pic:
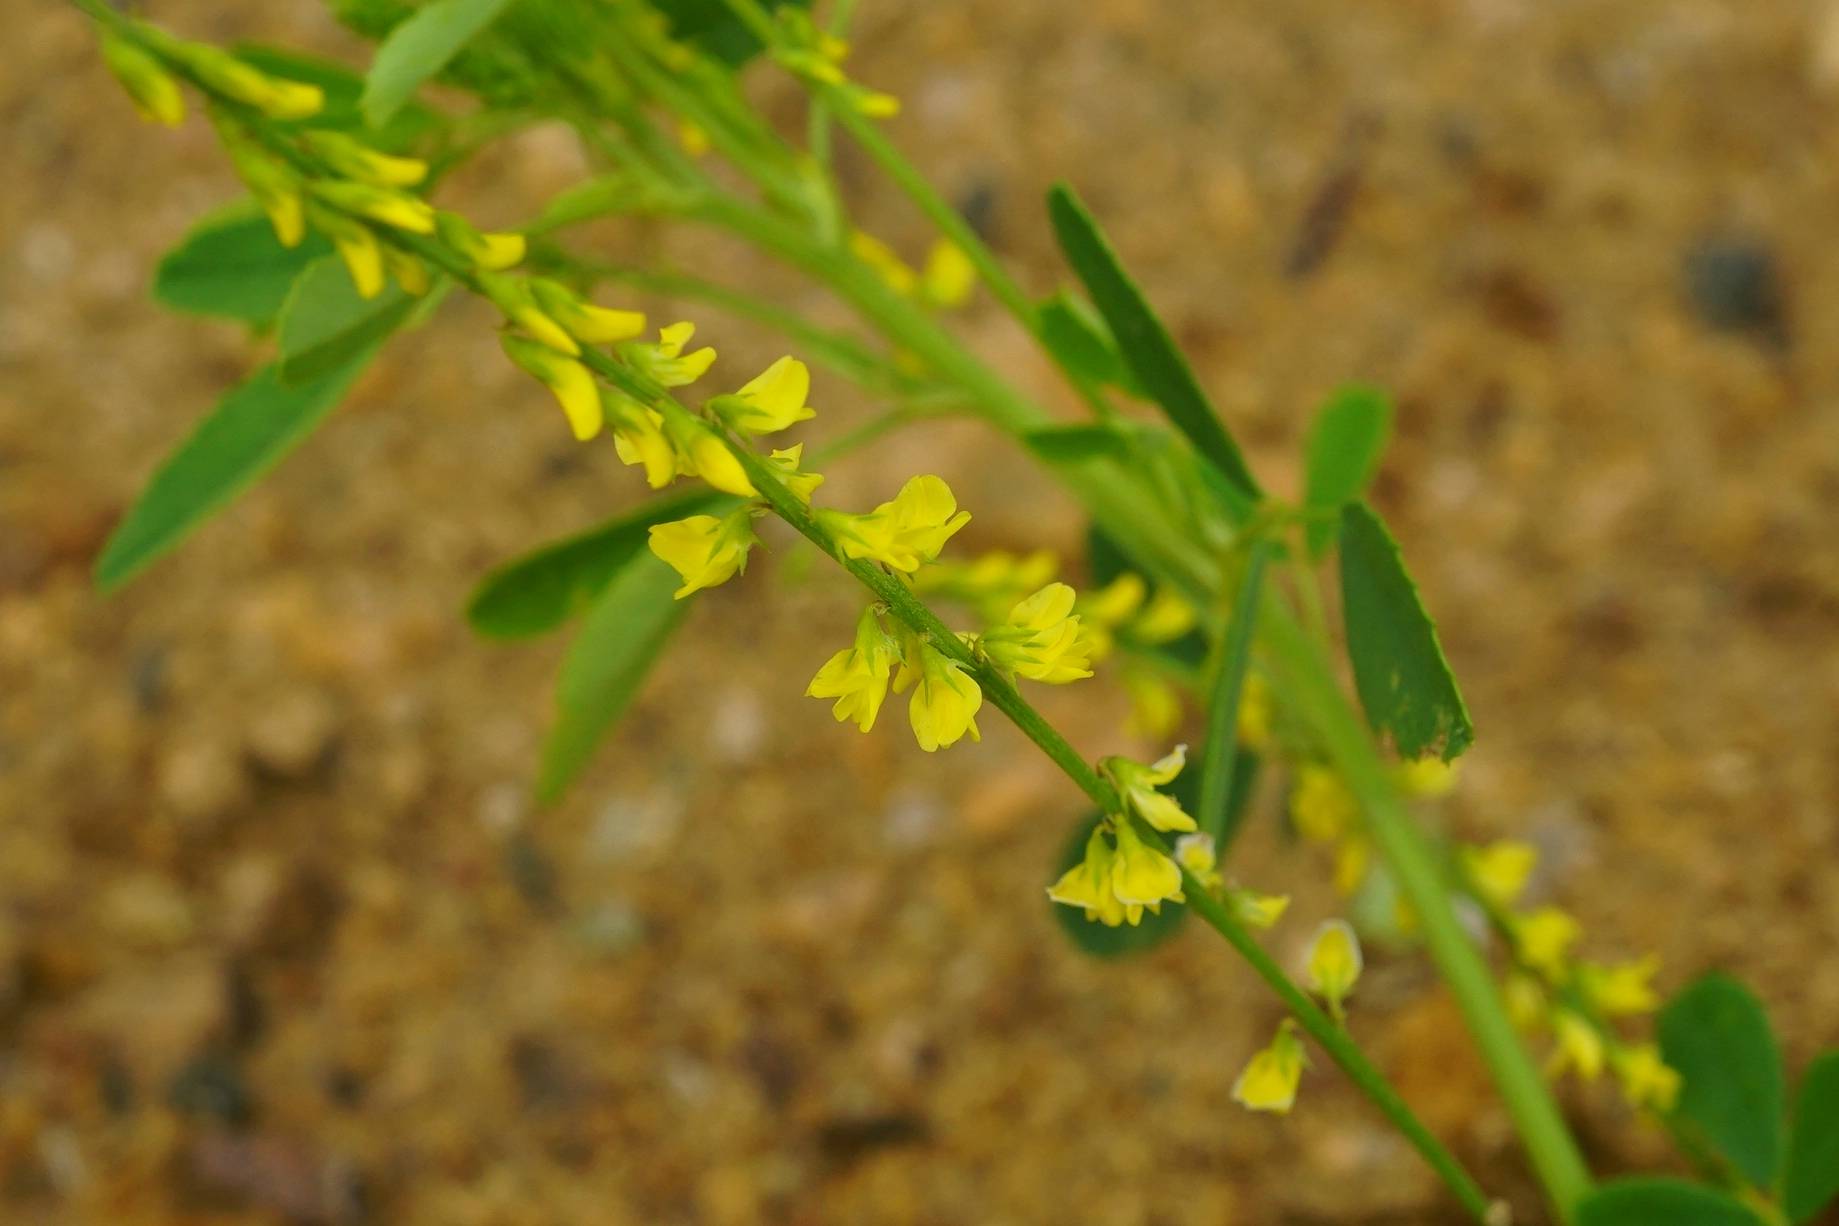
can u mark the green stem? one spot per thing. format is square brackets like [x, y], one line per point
[1310, 685]
[1219, 759]
[1334, 1040]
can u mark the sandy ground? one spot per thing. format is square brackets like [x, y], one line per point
[282, 938]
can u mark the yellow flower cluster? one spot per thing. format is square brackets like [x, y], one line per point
[1121, 875]
[1575, 1000]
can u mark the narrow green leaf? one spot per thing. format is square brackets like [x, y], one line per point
[1811, 1178]
[1078, 340]
[1345, 444]
[1078, 444]
[1716, 1035]
[1661, 1202]
[1147, 348]
[421, 47]
[231, 266]
[1092, 937]
[1405, 683]
[324, 321]
[242, 438]
[1220, 760]
[622, 635]
[541, 590]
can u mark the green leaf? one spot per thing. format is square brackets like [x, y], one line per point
[541, 590]
[421, 47]
[1078, 340]
[1811, 1178]
[1094, 938]
[1345, 444]
[713, 28]
[1405, 683]
[231, 266]
[242, 438]
[324, 322]
[1660, 1202]
[1717, 1036]
[1078, 444]
[1147, 348]
[622, 635]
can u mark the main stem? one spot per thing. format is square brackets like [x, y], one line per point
[1312, 687]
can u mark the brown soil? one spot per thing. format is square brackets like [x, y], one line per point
[282, 938]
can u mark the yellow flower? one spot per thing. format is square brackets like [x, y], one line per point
[410, 273]
[702, 451]
[1526, 1003]
[944, 705]
[1579, 1046]
[357, 246]
[903, 533]
[1623, 990]
[356, 160]
[991, 582]
[513, 296]
[1426, 778]
[277, 190]
[802, 484]
[693, 140]
[1255, 713]
[150, 87]
[225, 74]
[1167, 618]
[383, 205]
[1141, 875]
[705, 550]
[1353, 855]
[587, 323]
[857, 677]
[666, 362]
[1321, 807]
[1088, 885]
[949, 276]
[1137, 784]
[1041, 639]
[1115, 603]
[1256, 910]
[1334, 964]
[1155, 705]
[879, 256]
[484, 251]
[1545, 938]
[1270, 1080]
[1646, 1080]
[769, 402]
[639, 438]
[1195, 853]
[1500, 870]
[570, 381]
[871, 102]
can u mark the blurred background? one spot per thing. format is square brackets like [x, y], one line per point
[283, 938]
